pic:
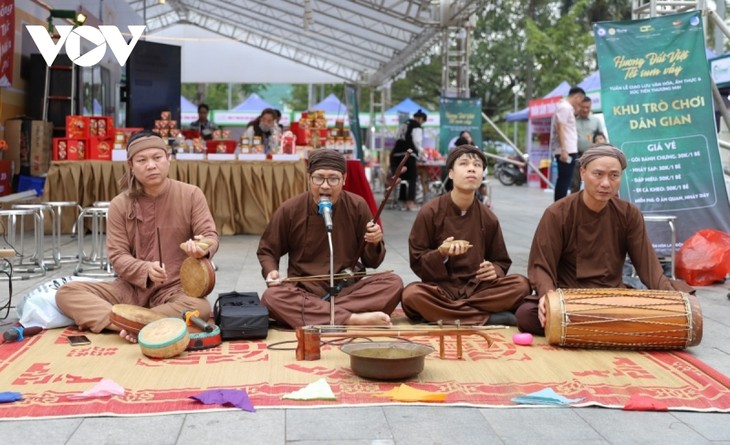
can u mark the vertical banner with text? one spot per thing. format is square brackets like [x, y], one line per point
[353, 112]
[7, 39]
[458, 115]
[657, 103]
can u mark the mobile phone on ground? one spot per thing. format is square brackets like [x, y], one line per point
[78, 340]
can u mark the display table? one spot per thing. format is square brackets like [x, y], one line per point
[430, 171]
[242, 195]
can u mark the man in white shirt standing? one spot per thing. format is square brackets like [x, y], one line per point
[564, 139]
[587, 126]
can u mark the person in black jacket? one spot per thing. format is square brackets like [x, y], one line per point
[410, 136]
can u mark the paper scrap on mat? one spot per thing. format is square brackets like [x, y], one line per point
[106, 387]
[545, 396]
[10, 396]
[231, 397]
[319, 390]
[405, 393]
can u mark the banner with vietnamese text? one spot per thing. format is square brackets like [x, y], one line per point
[7, 39]
[658, 108]
[458, 115]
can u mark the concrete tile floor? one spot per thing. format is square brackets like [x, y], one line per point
[519, 209]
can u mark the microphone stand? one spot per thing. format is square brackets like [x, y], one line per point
[333, 290]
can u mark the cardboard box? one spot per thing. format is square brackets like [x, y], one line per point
[29, 145]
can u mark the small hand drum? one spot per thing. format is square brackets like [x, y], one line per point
[132, 318]
[197, 275]
[164, 338]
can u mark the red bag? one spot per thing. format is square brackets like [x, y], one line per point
[704, 258]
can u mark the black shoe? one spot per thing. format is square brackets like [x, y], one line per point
[505, 318]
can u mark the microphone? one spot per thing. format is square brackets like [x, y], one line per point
[325, 209]
[18, 333]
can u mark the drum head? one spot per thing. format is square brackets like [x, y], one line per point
[197, 277]
[164, 338]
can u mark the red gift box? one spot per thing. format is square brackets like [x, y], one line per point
[69, 149]
[101, 126]
[213, 146]
[77, 127]
[100, 148]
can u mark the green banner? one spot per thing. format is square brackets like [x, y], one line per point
[458, 115]
[657, 103]
[353, 114]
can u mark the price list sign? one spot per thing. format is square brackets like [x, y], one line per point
[656, 175]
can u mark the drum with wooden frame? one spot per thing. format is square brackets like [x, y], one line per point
[132, 318]
[164, 338]
[197, 275]
[622, 319]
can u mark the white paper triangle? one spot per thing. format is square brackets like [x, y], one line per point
[319, 390]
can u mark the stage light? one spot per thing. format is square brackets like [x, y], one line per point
[78, 17]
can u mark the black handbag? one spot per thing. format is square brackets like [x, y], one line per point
[240, 316]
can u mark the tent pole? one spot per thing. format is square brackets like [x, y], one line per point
[522, 155]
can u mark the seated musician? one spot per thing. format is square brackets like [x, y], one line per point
[582, 240]
[466, 280]
[298, 230]
[149, 201]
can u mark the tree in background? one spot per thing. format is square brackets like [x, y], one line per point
[216, 94]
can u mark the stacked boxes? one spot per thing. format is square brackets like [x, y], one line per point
[87, 137]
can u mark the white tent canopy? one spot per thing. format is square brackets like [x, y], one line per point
[232, 62]
[357, 41]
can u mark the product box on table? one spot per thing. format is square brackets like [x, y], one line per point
[70, 149]
[122, 135]
[220, 146]
[77, 127]
[100, 148]
[101, 126]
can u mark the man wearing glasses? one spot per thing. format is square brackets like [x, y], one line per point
[298, 229]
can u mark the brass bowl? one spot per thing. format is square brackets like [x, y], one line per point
[387, 360]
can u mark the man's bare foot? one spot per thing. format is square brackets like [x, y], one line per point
[370, 318]
[127, 336]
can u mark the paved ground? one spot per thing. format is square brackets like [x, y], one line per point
[519, 209]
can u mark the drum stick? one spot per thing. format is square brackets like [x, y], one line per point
[159, 247]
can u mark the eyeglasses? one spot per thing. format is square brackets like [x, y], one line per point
[333, 181]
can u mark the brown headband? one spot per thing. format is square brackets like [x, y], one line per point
[603, 150]
[324, 158]
[143, 143]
